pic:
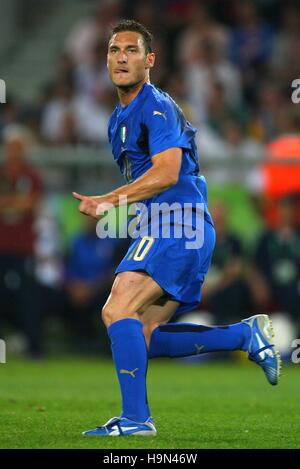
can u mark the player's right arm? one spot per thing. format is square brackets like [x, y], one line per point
[164, 138]
[162, 175]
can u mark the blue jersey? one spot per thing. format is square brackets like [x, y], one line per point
[151, 123]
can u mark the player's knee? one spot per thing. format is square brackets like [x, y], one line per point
[107, 315]
[110, 314]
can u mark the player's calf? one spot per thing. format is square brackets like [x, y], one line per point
[148, 330]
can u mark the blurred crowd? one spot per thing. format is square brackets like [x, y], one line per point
[230, 66]
[41, 279]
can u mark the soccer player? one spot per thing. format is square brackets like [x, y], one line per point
[154, 146]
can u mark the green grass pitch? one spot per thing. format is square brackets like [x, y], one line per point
[203, 405]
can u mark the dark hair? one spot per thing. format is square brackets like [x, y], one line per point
[132, 25]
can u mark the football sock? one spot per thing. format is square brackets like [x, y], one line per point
[183, 339]
[129, 353]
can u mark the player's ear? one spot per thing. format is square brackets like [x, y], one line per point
[150, 60]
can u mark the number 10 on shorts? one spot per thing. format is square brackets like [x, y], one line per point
[142, 249]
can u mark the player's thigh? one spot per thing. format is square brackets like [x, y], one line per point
[130, 293]
[159, 312]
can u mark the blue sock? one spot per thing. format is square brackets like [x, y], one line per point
[130, 357]
[183, 339]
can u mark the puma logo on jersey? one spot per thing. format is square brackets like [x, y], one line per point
[199, 348]
[128, 372]
[158, 113]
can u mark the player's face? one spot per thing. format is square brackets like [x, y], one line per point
[127, 61]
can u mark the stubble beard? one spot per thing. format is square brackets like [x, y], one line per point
[128, 87]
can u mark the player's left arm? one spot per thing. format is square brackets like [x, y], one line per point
[162, 175]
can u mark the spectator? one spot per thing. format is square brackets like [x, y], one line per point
[177, 90]
[270, 102]
[69, 118]
[277, 262]
[57, 120]
[221, 109]
[238, 145]
[201, 28]
[209, 67]
[285, 57]
[9, 115]
[20, 193]
[87, 33]
[251, 44]
[252, 38]
[91, 116]
[92, 78]
[65, 68]
[89, 271]
[226, 293]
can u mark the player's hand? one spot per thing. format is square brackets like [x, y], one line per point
[93, 206]
[88, 206]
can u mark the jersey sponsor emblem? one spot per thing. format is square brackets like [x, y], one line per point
[158, 113]
[123, 133]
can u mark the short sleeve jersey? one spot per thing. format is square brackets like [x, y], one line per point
[151, 123]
